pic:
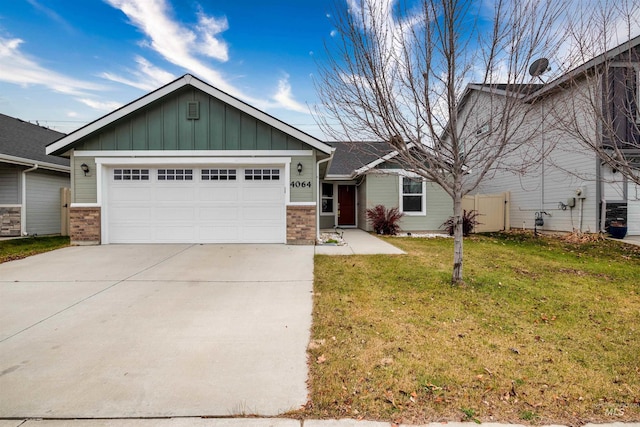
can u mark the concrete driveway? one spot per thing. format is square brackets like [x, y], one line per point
[155, 330]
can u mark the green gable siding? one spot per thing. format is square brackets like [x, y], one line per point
[163, 125]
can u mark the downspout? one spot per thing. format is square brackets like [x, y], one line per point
[23, 210]
[319, 195]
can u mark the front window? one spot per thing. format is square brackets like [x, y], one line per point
[327, 198]
[412, 194]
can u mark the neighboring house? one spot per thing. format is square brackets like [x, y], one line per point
[189, 163]
[571, 188]
[30, 180]
[362, 175]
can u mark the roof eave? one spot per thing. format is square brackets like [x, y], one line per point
[6, 158]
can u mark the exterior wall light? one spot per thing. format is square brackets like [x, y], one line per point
[84, 168]
[299, 168]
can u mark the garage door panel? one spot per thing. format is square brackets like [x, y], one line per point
[219, 213]
[262, 212]
[127, 233]
[131, 194]
[174, 213]
[220, 194]
[174, 234]
[181, 193]
[131, 213]
[265, 193]
[240, 210]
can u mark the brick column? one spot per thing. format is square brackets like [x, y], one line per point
[301, 225]
[10, 221]
[84, 225]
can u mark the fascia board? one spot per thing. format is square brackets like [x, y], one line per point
[27, 162]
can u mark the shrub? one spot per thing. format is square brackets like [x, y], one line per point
[383, 220]
[469, 221]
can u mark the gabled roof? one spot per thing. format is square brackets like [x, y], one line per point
[356, 158]
[576, 72]
[24, 143]
[64, 144]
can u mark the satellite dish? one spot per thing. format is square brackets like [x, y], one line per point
[538, 67]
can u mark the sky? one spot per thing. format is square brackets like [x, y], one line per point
[65, 63]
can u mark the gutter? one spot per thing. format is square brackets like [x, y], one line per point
[23, 210]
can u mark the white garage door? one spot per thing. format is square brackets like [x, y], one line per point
[196, 205]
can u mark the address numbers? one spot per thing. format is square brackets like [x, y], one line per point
[300, 184]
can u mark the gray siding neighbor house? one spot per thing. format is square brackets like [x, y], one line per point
[30, 180]
[188, 163]
[570, 188]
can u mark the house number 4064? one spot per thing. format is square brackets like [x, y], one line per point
[300, 184]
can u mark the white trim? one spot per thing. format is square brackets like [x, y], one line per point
[193, 161]
[41, 165]
[423, 207]
[334, 198]
[192, 153]
[301, 204]
[183, 81]
[86, 205]
[380, 160]
[10, 206]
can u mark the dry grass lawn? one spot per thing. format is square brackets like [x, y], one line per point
[545, 331]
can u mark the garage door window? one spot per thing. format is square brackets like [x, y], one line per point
[131, 174]
[262, 174]
[218, 174]
[175, 174]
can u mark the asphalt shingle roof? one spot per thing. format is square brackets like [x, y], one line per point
[350, 156]
[28, 141]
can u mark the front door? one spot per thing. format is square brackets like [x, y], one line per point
[347, 205]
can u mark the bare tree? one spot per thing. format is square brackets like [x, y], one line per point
[603, 110]
[402, 72]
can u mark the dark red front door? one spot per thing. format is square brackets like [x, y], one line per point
[346, 205]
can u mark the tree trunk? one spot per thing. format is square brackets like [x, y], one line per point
[456, 278]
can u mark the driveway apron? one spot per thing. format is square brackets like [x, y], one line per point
[155, 331]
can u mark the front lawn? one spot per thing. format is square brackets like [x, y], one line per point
[22, 248]
[544, 331]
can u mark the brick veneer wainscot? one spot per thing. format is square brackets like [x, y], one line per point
[301, 225]
[10, 221]
[84, 225]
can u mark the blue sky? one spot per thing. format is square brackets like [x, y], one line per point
[65, 63]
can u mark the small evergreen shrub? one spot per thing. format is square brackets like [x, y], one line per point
[469, 222]
[383, 220]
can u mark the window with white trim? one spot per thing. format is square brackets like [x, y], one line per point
[218, 174]
[327, 198]
[131, 174]
[412, 196]
[262, 174]
[175, 174]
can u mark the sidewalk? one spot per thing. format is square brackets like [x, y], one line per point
[251, 422]
[359, 242]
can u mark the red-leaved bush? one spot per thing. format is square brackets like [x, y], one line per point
[383, 220]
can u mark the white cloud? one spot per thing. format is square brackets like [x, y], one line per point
[100, 105]
[176, 43]
[148, 77]
[333, 33]
[18, 68]
[285, 99]
[72, 114]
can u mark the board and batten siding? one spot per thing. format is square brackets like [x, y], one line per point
[163, 125]
[384, 189]
[84, 187]
[10, 192]
[43, 202]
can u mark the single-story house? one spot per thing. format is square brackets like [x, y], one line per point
[189, 163]
[30, 180]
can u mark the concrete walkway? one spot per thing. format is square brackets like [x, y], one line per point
[359, 242]
[252, 422]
